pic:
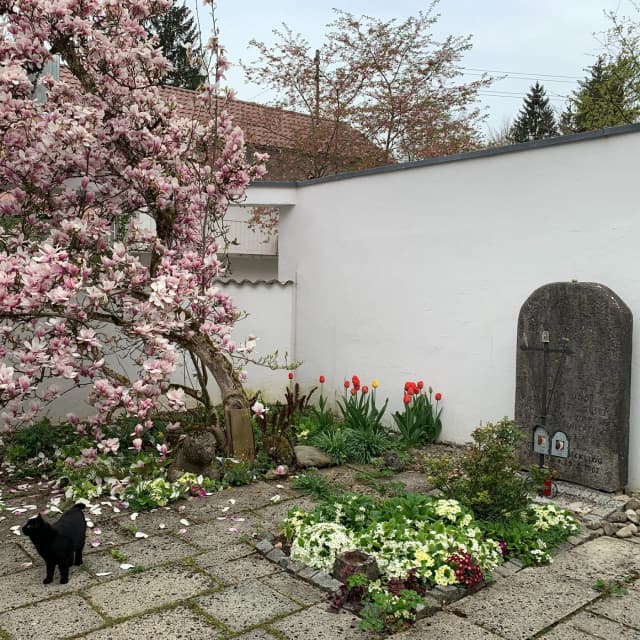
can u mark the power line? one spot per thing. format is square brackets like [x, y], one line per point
[513, 96]
[522, 73]
[521, 77]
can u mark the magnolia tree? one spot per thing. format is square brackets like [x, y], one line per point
[102, 148]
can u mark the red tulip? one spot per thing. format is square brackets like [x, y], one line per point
[406, 399]
[322, 379]
[290, 375]
[438, 396]
[354, 391]
[365, 389]
[407, 385]
[420, 384]
[356, 381]
[346, 384]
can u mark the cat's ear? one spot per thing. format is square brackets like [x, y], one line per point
[35, 522]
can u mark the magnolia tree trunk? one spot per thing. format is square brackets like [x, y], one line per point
[237, 437]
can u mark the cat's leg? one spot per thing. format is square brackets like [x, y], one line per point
[78, 556]
[51, 567]
[64, 573]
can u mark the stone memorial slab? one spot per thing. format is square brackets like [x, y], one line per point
[573, 377]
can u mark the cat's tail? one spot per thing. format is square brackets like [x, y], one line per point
[79, 505]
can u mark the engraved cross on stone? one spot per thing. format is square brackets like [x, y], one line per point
[546, 350]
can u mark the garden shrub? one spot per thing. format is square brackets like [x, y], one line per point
[488, 480]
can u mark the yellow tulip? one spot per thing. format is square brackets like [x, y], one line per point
[375, 383]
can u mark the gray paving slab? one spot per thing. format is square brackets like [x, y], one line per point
[158, 522]
[624, 609]
[12, 557]
[603, 558]
[147, 552]
[255, 634]
[111, 534]
[221, 533]
[317, 623]
[57, 618]
[237, 499]
[273, 515]
[246, 605]
[518, 607]
[242, 569]
[140, 592]
[294, 588]
[587, 626]
[216, 557]
[175, 624]
[445, 626]
[25, 587]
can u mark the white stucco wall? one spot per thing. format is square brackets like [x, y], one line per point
[420, 273]
[270, 309]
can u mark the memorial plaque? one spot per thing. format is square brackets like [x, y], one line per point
[560, 445]
[573, 375]
[540, 441]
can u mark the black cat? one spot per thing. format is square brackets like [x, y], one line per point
[60, 543]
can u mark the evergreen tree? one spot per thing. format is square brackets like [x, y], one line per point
[603, 98]
[178, 38]
[536, 119]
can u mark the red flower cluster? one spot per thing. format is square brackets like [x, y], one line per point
[415, 388]
[412, 389]
[355, 381]
[467, 571]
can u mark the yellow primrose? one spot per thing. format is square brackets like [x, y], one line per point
[423, 557]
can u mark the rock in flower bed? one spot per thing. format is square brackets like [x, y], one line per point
[419, 542]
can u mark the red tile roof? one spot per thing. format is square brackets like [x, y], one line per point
[275, 130]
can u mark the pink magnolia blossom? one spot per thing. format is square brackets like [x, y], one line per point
[110, 445]
[163, 450]
[175, 397]
[104, 145]
[259, 410]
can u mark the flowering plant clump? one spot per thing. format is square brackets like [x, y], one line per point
[419, 422]
[418, 542]
[140, 493]
[320, 543]
[322, 417]
[388, 609]
[467, 571]
[358, 406]
[534, 533]
[365, 436]
[410, 536]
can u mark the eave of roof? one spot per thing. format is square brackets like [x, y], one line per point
[458, 157]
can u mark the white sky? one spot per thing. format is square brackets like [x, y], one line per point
[530, 39]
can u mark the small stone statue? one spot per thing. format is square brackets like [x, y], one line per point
[195, 452]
